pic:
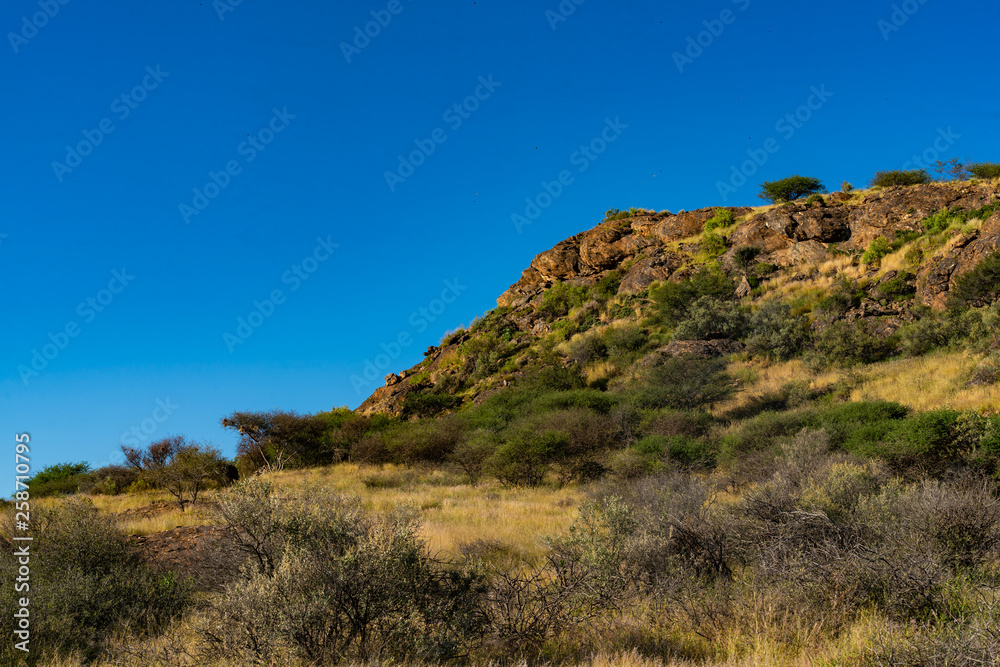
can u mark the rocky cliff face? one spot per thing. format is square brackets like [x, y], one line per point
[652, 247]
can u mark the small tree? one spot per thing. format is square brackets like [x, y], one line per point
[183, 468]
[885, 179]
[744, 257]
[985, 170]
[789, 189]
[274, 439]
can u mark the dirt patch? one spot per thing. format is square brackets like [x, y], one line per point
[205, 554]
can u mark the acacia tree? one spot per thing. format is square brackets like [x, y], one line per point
[273, 439]
[790, 189]
[181, 467]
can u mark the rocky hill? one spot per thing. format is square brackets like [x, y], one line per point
[638, 249]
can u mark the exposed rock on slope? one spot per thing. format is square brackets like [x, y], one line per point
[652, 247]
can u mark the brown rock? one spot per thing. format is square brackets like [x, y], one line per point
[648, 270]
[391, 379]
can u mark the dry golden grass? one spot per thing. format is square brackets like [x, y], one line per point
[759, 377]
[924, 383]
[452, 512]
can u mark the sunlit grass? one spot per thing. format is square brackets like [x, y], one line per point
[452, 511]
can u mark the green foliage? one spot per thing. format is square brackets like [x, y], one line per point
[673, 299]
[113, 480]
[87, 582]
[858, 342]
[745, 257]
[815, 198]
[709, 318]
[790, 189]
[683, 383]
[59, 479]
[523, 459]
[885, 179]
[877, 249]
[562, 297]
[763, 432]
[331, 582]
[944, 219]
[984, 170]
[712, 245]
[846, 187]
[773, 331]
[843, 295]
[978, 287]
[723, 218]
[615, 214]
[429, 403]
[607, 286]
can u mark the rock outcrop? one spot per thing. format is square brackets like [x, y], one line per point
[656, 247]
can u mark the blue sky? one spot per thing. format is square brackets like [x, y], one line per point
[209, 206]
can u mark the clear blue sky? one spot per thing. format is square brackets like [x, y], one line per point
[212, 153]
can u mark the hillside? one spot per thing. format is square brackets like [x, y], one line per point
[604, 275]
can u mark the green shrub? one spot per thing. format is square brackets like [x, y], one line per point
[589, 399]
[674, 298]
[814, 199]
[723, 218]
[712, 244]
[420, 403]
[978, 287]
[425, 440]
[898, 288]
[984, 170]
[681, 383]
[113, 480]
[709, 318]
[607, 286]
[763, 432]
[843, 295]
[329, 582]
[524, 458]
[856, 342]
[773, 331]
[744, 257]
[885, 179]
[562, 297]
[846, 187]
[59, 479]
[615, 214]
[87, 582]
[790, 189]
[877, 249]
